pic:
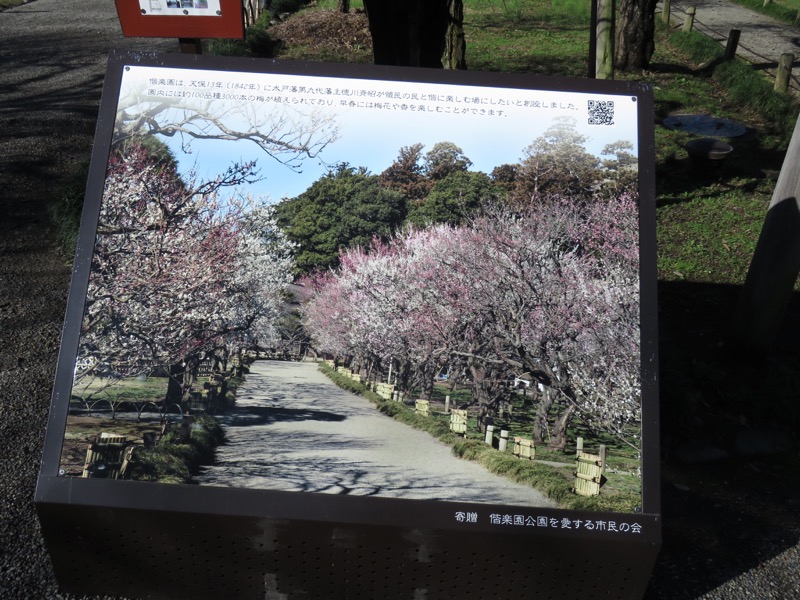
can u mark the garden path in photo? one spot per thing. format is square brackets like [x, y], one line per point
[294, 430]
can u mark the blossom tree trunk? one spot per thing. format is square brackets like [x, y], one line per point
[416, 33]
[634, 34]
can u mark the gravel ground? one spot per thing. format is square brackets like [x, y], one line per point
[730, 529]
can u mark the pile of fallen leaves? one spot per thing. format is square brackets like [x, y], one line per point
[324, 35]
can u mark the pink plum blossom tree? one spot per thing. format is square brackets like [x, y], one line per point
[550, 290]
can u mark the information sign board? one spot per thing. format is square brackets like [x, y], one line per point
[181, 18]
[525, 248]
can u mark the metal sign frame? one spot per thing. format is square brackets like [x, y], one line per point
[155, 540]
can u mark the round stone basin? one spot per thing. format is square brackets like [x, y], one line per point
[708, 149]
[705, 125]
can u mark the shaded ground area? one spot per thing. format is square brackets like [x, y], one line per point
[294, 430]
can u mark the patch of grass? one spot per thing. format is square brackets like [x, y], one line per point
[5, 4]
[175, 461]
[355, 5]
[749, 90]
[783, 10]
[538, 36]
[709, 216]
[65, 209]
[287, 6]
[698, 49]
[137, 389]
[709, 236]
[256, 43]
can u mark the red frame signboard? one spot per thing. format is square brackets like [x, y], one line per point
[181, 18]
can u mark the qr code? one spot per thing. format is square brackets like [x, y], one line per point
[601, 112]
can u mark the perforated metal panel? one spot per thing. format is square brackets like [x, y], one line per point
[146, 554]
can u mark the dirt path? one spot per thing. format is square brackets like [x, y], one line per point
[294, 430]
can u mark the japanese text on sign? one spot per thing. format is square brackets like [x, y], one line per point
[468, 103]
[562, 523]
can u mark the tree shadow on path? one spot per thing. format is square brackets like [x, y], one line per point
[265, 415]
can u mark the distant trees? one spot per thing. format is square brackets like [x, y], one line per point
[345, 208]
[406, 176]
[348, 206]
[454, 198]
[443, 159]
[557, 163]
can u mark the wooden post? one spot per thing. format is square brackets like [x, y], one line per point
[733, 44]
[447, 405]
[784, 73]
[666, 12]
[503, 440]
[593, 40]
[604, 56]
[190, 45]
[776, 261]
[602, 454]
[489, 435]
[688, 24]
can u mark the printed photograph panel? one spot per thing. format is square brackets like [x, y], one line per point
[365, 287]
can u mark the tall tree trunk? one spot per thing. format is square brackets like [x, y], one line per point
[408, 32]
[455, 47]
[402, 378]
[344, 6]
[604, 42]
[540, 427]
[559, 439]
[181, 377]
[426, 374]
[635, 34]
[484, 392]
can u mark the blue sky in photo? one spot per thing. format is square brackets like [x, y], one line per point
[372, 138]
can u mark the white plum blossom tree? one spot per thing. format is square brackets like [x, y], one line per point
[285, 133]
[177, 271]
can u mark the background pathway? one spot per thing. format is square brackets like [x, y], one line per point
[762, 41]
[293, 429]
